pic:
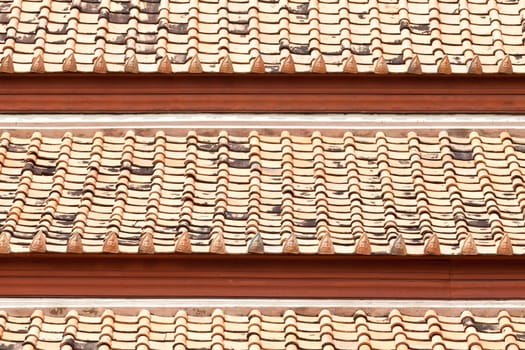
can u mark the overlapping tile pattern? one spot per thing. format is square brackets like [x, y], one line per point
[256, 329]
[241, 36]
[431, 192]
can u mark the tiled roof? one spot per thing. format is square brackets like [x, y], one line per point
[350, 36]
[451, 193]
[261, 329]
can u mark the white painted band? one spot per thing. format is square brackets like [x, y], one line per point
[9, 303]
[261, 121]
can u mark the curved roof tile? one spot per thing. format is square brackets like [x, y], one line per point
[195, 328]
[209, 191]
[223, 36]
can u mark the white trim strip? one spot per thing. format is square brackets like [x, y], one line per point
[24, 303]
[261, 121]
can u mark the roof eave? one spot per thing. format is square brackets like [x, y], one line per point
[288, 93]
[268, 276]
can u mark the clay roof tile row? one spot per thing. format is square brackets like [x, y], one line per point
[260, 329]
[224, 36]
[427, 193]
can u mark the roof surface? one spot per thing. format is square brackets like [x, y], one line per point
[260, 329]
[391, 192]
[350, 36]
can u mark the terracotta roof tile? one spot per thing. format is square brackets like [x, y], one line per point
[263, 192]
[352, 36]
[261, 329]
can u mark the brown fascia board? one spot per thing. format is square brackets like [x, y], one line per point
[261, 276]
[314, 93]
[271, 276]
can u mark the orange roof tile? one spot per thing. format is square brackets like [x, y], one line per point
[350, 36]
[263, 192]
[261, 329]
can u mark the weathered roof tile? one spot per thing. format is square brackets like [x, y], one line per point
[411, 193]
[133, 37]
[272, 328]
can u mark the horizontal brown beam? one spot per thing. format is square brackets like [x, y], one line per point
[88, 93]
[262, 276]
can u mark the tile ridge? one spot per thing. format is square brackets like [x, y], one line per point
[180, 330]
[439, 55]
[193, 38]
[24, 184]
[317, 62]
[325, 245]
[497, 38]
[397, 327]
[288, 240]
[99, 62]
[393, 235]
[130, 59]
[71, 328]
[56, 192]
[410, 59]
[257, 64]
[378, 61]
[218, 329]
[216, 235]
[422, 200]
[161, 43]
[88, 193]
[107, 329]
[111, 244]
[70, 63]
[183, 242]
[34, 328]
[489, 198]
[326, 329]
[225, 62]
[290, 329]
[37, 64]
[144, 330]
[348, 62]
[255, 330]
[364, 339]
[286, 61]
[147, 239]
[512, 163]
[5, 246]
[253, 236]
[359, 237]
[15, 11]
[471, 59]
[458, 212]
[434, 330]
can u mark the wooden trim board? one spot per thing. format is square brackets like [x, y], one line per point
[299, 93]
[268, 276]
